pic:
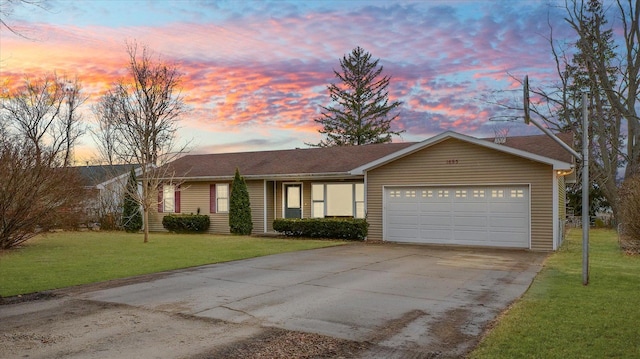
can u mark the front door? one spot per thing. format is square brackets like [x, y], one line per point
[293, 201]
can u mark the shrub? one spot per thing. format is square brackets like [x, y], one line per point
[239, 207]
[186, 223]
[351, 229]
[630, 207]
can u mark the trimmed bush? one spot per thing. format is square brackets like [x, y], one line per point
[186, 223]
[334, 228]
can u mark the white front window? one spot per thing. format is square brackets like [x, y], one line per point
[168, 198]
[338, 200]
[222, 197]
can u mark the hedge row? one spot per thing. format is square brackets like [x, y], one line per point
[351, 229]
[186, 223]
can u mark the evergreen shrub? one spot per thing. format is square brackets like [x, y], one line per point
[186, 223]
[333, 228]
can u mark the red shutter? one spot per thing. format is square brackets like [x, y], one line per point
[212, 198]
[160, 207]
[177, 199]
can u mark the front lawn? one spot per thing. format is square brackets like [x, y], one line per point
[558, 317]
[65, 259]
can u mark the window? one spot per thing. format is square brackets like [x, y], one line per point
[410, 194]
[497, 193]
[428, 193]
[394, 194]
[443, 193]
[317, 199]
[517, 193]
[222, 197]
[359, 188]
[460, 193]
[169, 199]
[478, 193]
[338, 200]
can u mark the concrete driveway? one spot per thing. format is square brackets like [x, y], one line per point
[402, 298]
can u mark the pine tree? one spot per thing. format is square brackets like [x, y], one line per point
[361, 112]
[131, 216]
[240, 207]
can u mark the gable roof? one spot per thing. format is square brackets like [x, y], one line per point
[351, 160]
[95, 175]
[326, 161]
[510, 149]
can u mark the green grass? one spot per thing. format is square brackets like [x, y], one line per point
[65, 259]
[558, 317]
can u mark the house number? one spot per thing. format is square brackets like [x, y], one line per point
[452, 162]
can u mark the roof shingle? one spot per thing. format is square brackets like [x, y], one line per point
[329, 160]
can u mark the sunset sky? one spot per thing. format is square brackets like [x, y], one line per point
[255, 73]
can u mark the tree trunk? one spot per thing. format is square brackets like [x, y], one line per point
[146, 225]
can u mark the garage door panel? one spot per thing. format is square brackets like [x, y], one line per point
[475, 222]
[436, 235]
[403, 220]
[470, 235]
[472, 206]
[403, 207]
[487, 216]
[436, 220]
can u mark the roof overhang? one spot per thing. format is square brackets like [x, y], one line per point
[557, 165]
[272, 177]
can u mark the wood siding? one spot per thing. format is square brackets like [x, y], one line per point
[454, 162]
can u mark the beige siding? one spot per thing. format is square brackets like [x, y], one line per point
[256, 197]
[470, 165]
[195, 195]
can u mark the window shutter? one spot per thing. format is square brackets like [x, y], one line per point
[212, 198]
[160, 207]
[176, 197]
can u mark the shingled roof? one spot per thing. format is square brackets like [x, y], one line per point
[542, 145]
[95, 175]
[307, 161]
[328, 160]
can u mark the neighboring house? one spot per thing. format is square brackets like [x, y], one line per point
[449, 189]
[104, 187]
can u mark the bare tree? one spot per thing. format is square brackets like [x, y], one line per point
[610, 74]
[106, 135]
[142, 113]
[622, 92]
[6, 11]
[44, 112]
[36, 194]
[39, 127]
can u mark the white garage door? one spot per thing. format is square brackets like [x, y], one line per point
[495, 216]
